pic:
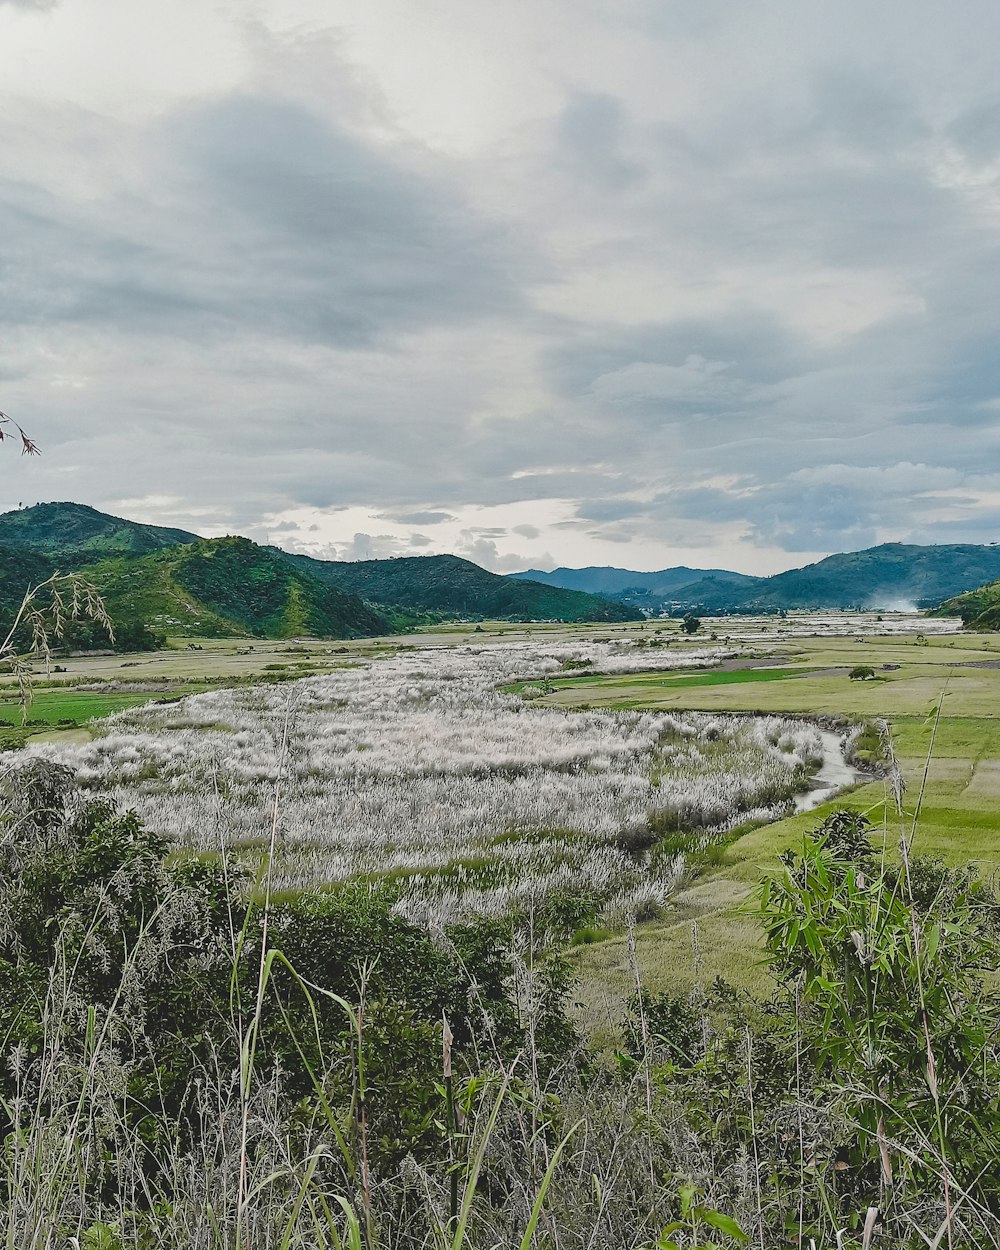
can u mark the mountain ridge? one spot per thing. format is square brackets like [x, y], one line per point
[451, 583]
[137, 565]
[609, 580]
[385, 595]
[78, 529]
[885, 576]
[228, 587]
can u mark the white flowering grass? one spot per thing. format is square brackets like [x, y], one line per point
[417, 769]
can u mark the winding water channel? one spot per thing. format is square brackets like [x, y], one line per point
[834, 775]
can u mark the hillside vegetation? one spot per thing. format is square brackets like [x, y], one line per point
[173, 580]
[888, 576]
[225, 587]
[74, 531]
[453, 586]
[979, 609]
[19, 570]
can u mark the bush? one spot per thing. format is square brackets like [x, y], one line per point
[889, 965]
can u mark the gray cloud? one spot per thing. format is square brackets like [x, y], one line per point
[420, 518]
[757, 307]
[256, 216]
[590, 135]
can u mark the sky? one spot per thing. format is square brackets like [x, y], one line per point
[540, 282]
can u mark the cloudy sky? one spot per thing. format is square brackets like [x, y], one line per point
[632, 282]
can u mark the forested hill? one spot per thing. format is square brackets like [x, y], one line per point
[68, 530]
[887, 576]
[456, 587]
[979, 609]
[891, 575]
[224, 587]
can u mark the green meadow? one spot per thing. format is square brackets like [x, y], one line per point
[953, 758]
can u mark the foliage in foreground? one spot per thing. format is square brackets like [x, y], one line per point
[184, 1070]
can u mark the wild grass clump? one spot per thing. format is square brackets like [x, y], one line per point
[415, 767]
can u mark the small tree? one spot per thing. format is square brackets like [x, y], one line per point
[690, 624]
[44, 615]
[861, 673]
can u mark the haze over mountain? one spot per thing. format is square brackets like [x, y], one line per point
[892, 575]
[979, 609]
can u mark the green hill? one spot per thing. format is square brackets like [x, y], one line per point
[76, 533]
[979, 609]
[225, 587]
[19, 571]
[888, 576]
[452, 586]
[891, 575]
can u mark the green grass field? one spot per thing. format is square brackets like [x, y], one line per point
[709, 933]
[685, 681]
[52, 706]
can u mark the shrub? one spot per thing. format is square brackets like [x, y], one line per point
[888, 968]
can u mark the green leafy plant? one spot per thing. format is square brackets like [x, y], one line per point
[886, 966]
[698, 1223]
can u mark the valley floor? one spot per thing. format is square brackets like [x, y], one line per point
[797, 666]
[709, 934]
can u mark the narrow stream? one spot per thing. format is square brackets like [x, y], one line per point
[834, 775]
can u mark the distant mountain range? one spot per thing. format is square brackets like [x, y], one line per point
[605, 580]
[892, 575]
[177, 583]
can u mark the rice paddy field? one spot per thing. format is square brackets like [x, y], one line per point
[484, 768]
